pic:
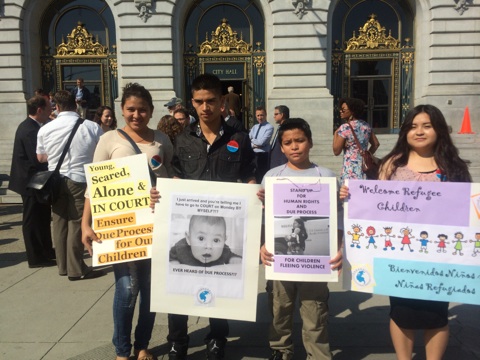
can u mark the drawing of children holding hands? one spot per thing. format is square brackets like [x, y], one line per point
[476, 249]
[406, 238]
[388, 238]
[423, 241]
[355, 235]
[458, 243]
[371, 240]
[442, 243]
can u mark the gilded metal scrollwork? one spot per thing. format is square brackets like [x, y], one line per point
[224, 40]
[407, 56]
[190, 64]
[259, 63]
[113, 66]
[337, 59]
[80, 42]
[372, 36]
[258, 58]
[47, 66]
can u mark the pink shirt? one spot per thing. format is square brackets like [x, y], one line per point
[406, 174]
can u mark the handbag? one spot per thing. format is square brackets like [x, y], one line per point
[153, 176]
[46, 184]
[369, 162]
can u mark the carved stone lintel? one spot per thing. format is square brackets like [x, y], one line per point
[462, 5]
[144, 8]
[300, 6]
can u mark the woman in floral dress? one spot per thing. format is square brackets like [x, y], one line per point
[350, 111]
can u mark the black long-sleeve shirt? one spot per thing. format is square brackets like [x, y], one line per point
[230, 158]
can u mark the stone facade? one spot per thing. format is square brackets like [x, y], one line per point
[298, 38]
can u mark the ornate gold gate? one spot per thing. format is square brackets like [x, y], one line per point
[232, 59]
[82, 56]
[374, 67]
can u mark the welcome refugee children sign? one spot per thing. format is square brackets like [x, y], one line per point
[415, 240]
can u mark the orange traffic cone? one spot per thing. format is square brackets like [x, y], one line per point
[466, 127]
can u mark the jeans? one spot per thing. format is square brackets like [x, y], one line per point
[132, 278]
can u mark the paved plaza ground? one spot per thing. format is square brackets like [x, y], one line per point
[45, 316]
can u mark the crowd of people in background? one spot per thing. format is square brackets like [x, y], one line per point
[262, 135]
[264, 150]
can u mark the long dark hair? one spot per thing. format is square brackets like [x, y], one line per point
[445, 153]
[303, 232]
[98, 116]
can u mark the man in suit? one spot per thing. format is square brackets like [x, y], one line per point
[82, 98]
[36, 217]
[260, 136]
[234, 103]
[277, 157]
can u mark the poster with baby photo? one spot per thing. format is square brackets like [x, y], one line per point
[301, 228]
[206, 261]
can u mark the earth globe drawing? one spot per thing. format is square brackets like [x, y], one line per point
[362, 277]
[204, 296]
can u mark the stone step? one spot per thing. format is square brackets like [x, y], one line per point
[7, 196]
[6, 143]
[5, 164]
[10, 198]
[6, 150]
